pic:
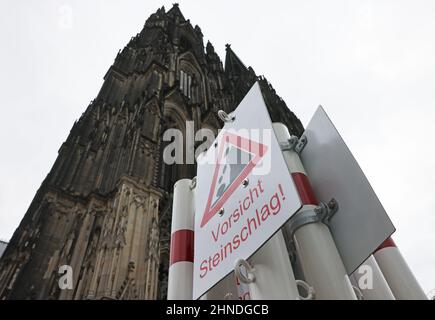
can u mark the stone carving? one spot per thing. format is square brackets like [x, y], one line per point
[154, 240]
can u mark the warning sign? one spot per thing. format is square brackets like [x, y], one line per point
[231, 170]
[244, 193]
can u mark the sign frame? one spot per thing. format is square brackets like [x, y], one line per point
[272, 183]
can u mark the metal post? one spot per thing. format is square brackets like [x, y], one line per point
[370, 280]
[397, 272]
[243, 288]
[319, 257]
[180, 278]
[272, 271]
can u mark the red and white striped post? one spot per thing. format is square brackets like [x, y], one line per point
[319, 257]
[371, 282]
[180, 278]
[396, 271]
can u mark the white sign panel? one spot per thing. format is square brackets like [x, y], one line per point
[361, 223]
[244, 193]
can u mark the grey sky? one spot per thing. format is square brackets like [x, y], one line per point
[371, 64]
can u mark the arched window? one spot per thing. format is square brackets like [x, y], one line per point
[186, 83]
[190, 79]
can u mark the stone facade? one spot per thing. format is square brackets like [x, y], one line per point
[105, 207]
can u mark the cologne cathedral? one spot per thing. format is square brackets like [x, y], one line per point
[105, 206]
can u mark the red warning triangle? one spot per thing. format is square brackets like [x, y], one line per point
[217, 198]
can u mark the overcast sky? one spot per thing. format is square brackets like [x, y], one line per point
[371, 64]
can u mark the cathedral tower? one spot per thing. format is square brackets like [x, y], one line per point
[105, 207]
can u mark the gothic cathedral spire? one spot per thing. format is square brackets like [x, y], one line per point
[104, 208]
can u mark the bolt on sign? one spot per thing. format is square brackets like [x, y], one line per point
[244, 193]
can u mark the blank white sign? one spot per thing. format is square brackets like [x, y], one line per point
[361, 223]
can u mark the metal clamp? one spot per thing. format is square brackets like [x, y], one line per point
[322, 213]
[329, 210]
[290, 144]
[294, 144]
[309, 289]
[249, 271]
[192, 183]
[225, 117]
[301, 144]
